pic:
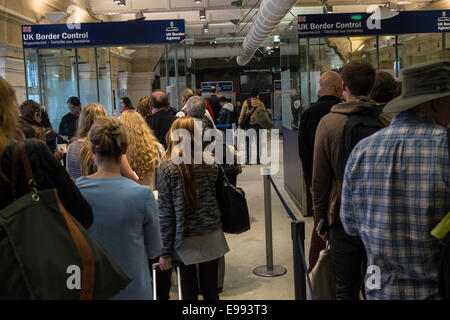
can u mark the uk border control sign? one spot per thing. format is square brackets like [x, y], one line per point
[366, 24]
[103, 34]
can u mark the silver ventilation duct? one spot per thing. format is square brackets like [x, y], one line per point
[269, 16]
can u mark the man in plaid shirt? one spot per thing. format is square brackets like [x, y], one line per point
[397, 189]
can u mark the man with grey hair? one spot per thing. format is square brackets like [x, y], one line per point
[196, 108]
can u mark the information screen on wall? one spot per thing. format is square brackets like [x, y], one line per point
[221, 86]
[103, 34]
[366, 24]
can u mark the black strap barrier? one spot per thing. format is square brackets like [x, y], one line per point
[298, 237]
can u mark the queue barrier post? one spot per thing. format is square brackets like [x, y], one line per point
[268, 270]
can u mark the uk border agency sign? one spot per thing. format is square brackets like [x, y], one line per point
[366, 24]
[103, 34]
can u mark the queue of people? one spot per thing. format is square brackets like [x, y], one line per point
[375, 159]
[374, 155]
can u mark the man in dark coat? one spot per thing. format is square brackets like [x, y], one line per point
[161, 120]
[331, 93]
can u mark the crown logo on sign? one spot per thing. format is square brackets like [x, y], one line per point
[171, 23]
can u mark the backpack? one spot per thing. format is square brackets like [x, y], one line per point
[245, 124]
[359, 125]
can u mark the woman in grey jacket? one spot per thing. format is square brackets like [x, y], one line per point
[191, 226]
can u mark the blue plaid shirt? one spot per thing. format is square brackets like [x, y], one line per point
[396, 190]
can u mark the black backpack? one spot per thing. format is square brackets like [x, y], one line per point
[359, 125]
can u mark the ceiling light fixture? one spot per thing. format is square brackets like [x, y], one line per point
[202, 14]
[205, 28]
[198, 1]
[291, 25]
[120, 3]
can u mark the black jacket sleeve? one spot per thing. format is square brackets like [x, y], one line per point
[304, 149]
[69, 194]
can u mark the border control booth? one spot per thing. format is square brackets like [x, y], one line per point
[99, 62]
[391, 41]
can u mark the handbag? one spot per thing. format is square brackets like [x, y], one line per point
[45, 253]
[245, 123]
[322, 278]
[233, 205]
[263, 120]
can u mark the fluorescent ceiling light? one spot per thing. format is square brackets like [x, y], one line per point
[206, 28]
[198, 1]
[361, 47]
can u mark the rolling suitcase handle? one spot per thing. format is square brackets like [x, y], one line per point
[177, 265]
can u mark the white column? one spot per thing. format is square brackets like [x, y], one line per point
[12, 69]
[139, 85]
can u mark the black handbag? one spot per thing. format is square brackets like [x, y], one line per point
[46, 254]
[233, 205]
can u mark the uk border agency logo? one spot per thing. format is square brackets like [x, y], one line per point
[443, 23]
[444, 17]
[172, 28]
[302, 19]
[26, 29]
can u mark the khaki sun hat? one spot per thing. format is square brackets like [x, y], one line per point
[422, 83]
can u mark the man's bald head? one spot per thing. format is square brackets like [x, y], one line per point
[331, 84]
[159, 99]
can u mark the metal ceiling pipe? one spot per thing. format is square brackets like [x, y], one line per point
[269, 16]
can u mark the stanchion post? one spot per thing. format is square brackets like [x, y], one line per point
[298, 227]
[268, 270]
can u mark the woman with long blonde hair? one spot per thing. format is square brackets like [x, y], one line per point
[88, 115]
[189, 213]
[144, 151]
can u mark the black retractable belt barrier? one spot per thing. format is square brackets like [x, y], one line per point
[298, 238]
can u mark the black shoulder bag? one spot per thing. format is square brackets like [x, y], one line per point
[245, 124]
[233, 205]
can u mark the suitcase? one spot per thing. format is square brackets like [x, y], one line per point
[177, 266]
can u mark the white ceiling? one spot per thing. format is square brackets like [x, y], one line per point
[220, 12]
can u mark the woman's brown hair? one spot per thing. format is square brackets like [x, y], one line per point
[144, 107]
[108, 138]
[89, 114]
[8, 118]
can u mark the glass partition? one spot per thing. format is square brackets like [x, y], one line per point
[57, 74]
[87, 75]
[104, 78]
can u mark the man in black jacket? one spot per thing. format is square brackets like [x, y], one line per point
[330, 94]
[161, 120]
[68, 125]
[214, 102]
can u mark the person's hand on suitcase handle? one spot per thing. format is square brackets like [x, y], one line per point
[165, 263]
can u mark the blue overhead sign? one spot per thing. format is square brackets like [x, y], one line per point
[366, 24]
[103, 34]
[221, 86]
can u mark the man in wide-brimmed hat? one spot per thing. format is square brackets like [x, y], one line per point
[396, 188]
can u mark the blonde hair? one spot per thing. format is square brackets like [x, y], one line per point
[144, 108]
[8, 118]
[142, 152]
[108, 138]
[87, 163]
[88, 115]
